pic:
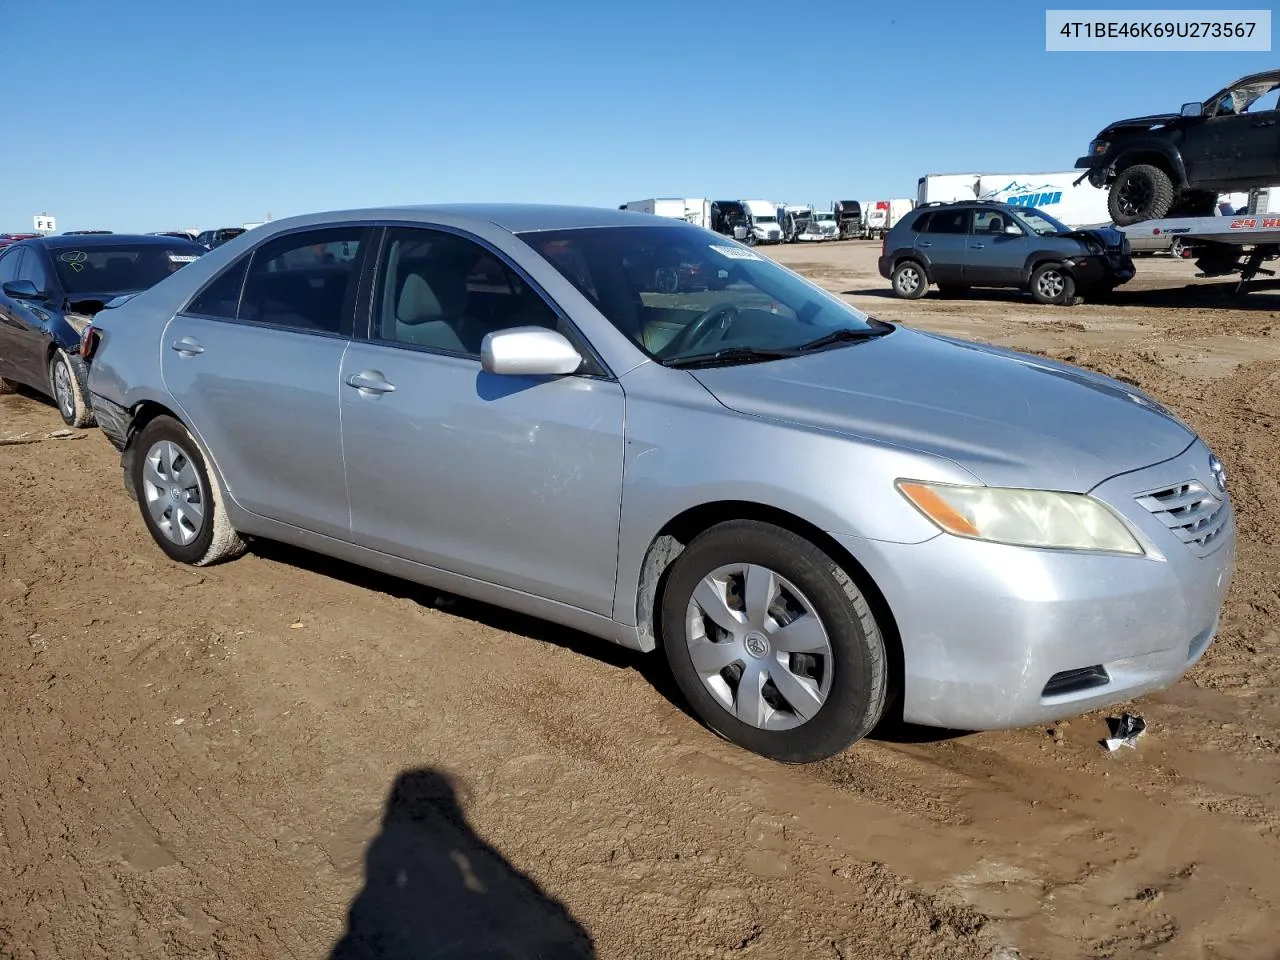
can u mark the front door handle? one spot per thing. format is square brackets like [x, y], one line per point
[924, 243]
[979, 246]
[370, 382]
[187, 346]
[1264, 123]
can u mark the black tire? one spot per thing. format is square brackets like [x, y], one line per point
[216, 540]
[953, 289]
[751, 240]
[8, 386]
[1141, 192]
[67, 391]
[858, 664]
[1051, 284]
[910, 282]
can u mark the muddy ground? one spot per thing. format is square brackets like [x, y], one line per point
[232, 762]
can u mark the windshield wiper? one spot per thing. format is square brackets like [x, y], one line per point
[845, 335]
[726, 356]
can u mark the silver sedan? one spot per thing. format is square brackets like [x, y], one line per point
[820, 518]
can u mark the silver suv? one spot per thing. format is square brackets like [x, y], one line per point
[978, 244]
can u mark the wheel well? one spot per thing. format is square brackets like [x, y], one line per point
[910, 256]
[1151, 157]
[681, 530]
[143, 413]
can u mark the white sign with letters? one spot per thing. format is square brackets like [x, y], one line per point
[45, 223]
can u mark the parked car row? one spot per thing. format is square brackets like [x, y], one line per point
[505, 402]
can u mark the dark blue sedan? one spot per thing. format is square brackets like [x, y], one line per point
[51, 287]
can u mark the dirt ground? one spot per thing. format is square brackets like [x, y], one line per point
[250, 760]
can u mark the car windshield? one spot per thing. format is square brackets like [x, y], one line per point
[766, 219]
[825, 216]
[1040, 222]
[104, 270]
[683, 292]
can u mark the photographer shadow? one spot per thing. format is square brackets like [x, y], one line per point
[435, 891]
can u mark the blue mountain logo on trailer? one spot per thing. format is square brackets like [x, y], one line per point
[1025, 195]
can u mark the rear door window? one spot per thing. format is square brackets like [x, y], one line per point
[949, 221]
[305, 281]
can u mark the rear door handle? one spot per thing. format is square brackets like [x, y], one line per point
[1264, 123]
[979, 246]
[370, 382]
[924, 243]
[187, 346]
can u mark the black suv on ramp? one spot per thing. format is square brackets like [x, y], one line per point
[983, 244]
[1176, 164]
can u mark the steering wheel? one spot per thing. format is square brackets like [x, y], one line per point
[700, 327]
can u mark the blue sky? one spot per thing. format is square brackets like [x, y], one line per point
[149, 115]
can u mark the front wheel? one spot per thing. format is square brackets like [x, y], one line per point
[1141, 192]
[67, 393]
[909, 281]
[181, 503]
[772, 644]
[1051, 284]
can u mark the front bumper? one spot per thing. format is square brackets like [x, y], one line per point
[1109, 270]
[1098, 174]
[985, 628]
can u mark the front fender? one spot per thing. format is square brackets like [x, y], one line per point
[1144, 151]
[709, 454]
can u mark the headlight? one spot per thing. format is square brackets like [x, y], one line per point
[1028, 518]
[1098, 147]
[76, 321]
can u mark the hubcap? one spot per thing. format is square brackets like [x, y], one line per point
[759, 646]
[908, 280]
[1051, 284]
[62, 390]
[174, 496]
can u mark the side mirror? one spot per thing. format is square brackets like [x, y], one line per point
[1012, 230]
[528, 352]
[23, 290]
[1192, 110]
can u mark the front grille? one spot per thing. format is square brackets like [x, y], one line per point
[1197, 517]
[1076, 681]
[773, 234]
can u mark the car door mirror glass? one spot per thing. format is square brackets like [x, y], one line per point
[1012, 230]
[1192, 109]
[23, 290]
[529, 352]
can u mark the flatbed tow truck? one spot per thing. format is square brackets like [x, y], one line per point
[1224, 245]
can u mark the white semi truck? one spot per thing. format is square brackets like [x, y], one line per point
[751, 221]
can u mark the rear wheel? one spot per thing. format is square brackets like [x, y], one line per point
[772, 644]
[909, 280]
[1141, 192]
[1050, 283]
[67, 393]
[180, 501]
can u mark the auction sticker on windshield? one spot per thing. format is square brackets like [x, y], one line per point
[183, 257]
[734, 253]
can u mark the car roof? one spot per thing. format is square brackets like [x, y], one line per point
[90, 240]
[513, 217]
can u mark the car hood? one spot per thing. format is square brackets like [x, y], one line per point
[1007, 418]
[1102, 236]
[1138, 123]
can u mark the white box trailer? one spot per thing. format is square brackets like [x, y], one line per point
[1054, 193]
[692, 210]
[881, 216]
